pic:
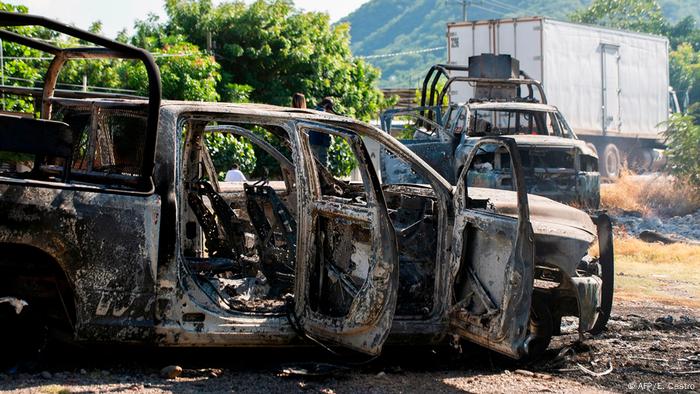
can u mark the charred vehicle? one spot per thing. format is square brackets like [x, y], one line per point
[120, 230]
[504, 103]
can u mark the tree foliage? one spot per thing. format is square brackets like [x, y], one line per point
[685, 71]
[341, 158]
[683, 141]
[262, 52]
[227, 150]
[268, 50]
[277, 51]
[635, 15]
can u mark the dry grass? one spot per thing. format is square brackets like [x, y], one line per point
[664, 273]
[658, 195]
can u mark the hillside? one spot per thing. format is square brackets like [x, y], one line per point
[390, 26]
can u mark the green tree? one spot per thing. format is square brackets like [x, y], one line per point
[685, 71]
[227, 150]
[277, 50]
[635, 15]
[186, 73]
[23, 66]
[683, 141]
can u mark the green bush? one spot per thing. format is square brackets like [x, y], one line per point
[683, 141]
[341, 158]
[226, 150]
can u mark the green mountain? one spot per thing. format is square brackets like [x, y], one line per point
[389, 27]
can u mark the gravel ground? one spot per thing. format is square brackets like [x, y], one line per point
[648, 346]
[680, 227]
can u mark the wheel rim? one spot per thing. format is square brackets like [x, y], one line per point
[611, 164]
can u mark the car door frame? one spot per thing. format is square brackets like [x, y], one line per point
[504, 327]
[367, 324]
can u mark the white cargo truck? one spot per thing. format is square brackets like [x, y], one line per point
[611, 85]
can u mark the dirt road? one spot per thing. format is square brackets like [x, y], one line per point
[648, 347]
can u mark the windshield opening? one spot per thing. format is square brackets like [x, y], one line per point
[483, 122]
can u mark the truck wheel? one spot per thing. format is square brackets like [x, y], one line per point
[24, 337]
[610, 162]
[47, 318]
[607, 273]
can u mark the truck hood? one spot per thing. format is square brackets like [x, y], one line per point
[542, 210]
[563, 234]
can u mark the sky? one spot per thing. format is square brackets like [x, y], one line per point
[118, 14]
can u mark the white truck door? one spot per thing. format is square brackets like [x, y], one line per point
[610, 66]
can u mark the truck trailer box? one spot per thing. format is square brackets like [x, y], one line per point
[611, 85]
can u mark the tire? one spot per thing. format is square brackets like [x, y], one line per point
[610, 162]
[606, 298]
[49, 315]
[607, 275]
[24, 337]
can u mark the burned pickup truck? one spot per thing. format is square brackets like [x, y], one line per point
[120, 230]
[504, 102]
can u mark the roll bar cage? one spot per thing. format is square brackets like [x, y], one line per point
[105, 49]
[439, 70]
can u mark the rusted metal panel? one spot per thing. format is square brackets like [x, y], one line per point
[106, 244]
[496, 257]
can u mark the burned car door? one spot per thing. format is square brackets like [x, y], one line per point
[493, 257]
[347, 257]
[426, 132]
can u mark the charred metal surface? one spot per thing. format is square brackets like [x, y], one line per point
[494, 266]
[106, 244]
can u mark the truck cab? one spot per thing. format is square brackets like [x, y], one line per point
[557, 164]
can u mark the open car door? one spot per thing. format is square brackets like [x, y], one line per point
[347, 255]
[495, 255]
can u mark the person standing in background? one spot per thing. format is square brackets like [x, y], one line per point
[235, 175]
[298, 101]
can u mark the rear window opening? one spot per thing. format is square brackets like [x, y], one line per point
[103, 146]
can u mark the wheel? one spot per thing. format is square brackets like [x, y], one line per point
[48, 315]
[540, 328]
[606, 297]
[24, 337]
[610, 162]
[607, 273]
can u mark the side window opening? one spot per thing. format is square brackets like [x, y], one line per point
[240, 232]
[490, 168]
[414, 211]
[341, 266]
